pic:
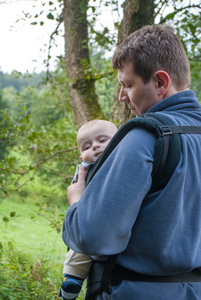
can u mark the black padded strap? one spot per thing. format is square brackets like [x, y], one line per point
[121, 273]
[165, 132]
[98, 279]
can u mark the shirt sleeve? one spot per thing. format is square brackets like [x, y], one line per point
[102, 221]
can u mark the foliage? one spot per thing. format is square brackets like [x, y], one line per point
[31, 252]
[23, 277]
[196, 78]
[29, 221]
[18, 80]
[105, 80]
[3, 124]
[41, 137]
[103, 34]
[45, 12]
[184, 16]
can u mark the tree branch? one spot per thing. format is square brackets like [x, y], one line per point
[20, 186]
[50, 44]
[178, 10]
[160, 8]
[40, 162]
[34, 168]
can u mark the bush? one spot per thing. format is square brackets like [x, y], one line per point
[24, 277]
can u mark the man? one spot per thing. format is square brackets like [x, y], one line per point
[155, 234]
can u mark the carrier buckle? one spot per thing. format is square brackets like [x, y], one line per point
[164, 130]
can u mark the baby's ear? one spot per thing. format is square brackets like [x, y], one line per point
[81, 158]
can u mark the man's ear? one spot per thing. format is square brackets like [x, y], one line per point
[162, 81]
[81, 158]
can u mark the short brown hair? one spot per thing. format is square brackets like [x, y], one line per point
[151, 48]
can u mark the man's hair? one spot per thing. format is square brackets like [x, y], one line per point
[152, 48]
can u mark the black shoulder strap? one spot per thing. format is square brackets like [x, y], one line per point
[167, 150]
[167, 147]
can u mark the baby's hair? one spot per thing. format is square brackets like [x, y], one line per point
[91, 123]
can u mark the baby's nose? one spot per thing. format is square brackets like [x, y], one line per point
[95, 145]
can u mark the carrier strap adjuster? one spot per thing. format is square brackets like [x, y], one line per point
[164, 130]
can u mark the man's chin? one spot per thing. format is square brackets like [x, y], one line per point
[133, 111]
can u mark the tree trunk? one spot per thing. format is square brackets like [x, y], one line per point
[81, 83]
[136, 14]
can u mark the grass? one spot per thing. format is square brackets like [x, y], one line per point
[29, 230]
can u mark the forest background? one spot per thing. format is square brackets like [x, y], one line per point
[39, 117]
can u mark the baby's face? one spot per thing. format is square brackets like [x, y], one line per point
[93, 141]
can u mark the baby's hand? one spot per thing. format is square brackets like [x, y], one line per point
[75, 191]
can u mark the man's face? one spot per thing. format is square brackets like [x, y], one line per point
[139, 97]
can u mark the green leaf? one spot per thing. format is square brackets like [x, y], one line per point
[50, 16]
[170, 16]
[83, 6]
[12, 214]
[5, 219]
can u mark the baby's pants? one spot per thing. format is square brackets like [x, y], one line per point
[77, 264]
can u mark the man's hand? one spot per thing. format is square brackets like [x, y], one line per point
[75, 191]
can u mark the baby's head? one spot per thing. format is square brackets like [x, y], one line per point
[93, 137]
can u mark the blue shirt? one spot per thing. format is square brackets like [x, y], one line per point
[154, 234]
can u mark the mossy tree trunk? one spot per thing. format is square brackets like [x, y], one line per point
[80, 77]
[137, 13]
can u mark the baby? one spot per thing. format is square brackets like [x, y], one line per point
[92, 139]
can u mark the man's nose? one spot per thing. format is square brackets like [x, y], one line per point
[123, 96]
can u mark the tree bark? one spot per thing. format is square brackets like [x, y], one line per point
[81, 83]
[137, 13]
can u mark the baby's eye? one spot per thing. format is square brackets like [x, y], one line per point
[103, 140]
[86, 147]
